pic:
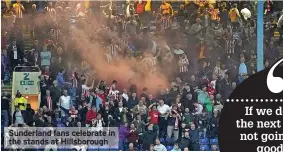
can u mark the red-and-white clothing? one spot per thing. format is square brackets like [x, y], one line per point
[154, 117]
[56, 34]
[112, 92]
[213, 84]
[111, 87]
[74, 80]
[49, 102]
[73, 113]
[183, 64]
[268, 5]
[211, 90]
[85, 90]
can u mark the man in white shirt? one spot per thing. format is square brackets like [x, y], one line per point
[65, 103]
[163, 109]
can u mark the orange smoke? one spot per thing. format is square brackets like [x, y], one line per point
[94, 54]
[121, 70]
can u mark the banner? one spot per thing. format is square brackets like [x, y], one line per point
[26, 82]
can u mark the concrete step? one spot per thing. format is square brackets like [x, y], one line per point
[28, 41]
[7, 88]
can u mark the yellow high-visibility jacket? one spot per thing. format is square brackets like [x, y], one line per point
[21, 102]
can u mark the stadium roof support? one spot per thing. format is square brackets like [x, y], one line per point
[260, 21]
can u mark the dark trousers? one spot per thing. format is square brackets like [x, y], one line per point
[162, 126]
[15, 62]
[195, 147]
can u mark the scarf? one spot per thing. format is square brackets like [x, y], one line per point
[268, 5]
[49, 103]
[176, 123]
[74, 80]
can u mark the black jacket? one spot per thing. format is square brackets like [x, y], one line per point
[132, 102]
[11, 52]
[30, 116]
[148, 138]
[185, 142]
[82, 113]
[225, 88]
[119, 116]
[194, 136]
[172, 95]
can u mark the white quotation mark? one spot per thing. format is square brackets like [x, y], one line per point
[274, 84]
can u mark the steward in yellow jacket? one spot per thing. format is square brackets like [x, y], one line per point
[20, 101]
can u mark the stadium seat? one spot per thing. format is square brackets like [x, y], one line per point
[214, 141]
[58, 120]
[170, 141]
[114, 149]
[203, 141]
[60, 125]
[64, 149]
[216, 146]
[162, 140]
[126, 145]
[140, 147]
[169, 148]
[41, 149]
[103, 149]
[204, 148]
[92, 149]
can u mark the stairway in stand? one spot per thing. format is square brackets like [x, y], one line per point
[28, 44]
[28, 40]
[7, 88]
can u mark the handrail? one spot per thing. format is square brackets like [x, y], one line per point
[27, 69]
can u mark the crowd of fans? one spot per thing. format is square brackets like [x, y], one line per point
[205, 49]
